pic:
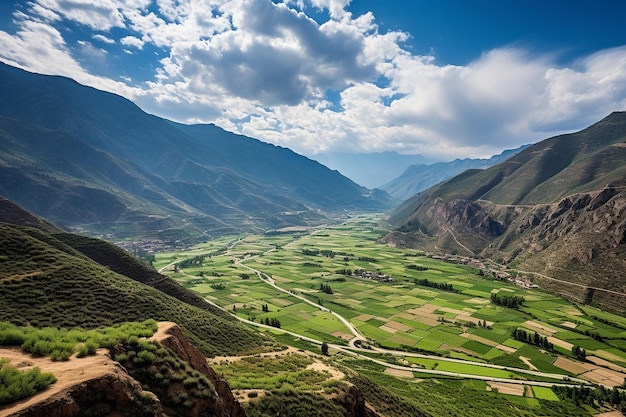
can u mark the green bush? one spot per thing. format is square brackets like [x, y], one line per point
[61, 344]
[16, 384]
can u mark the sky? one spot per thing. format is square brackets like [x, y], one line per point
[441, 78]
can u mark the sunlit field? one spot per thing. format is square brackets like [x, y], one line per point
[416, 304]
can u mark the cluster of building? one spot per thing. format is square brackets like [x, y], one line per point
[374, 276]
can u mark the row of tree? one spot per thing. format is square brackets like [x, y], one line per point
[532, 338]
[325, 288]
[593, 396]
[274, 322]
[416, 267]
[444, 286]
[510, 301]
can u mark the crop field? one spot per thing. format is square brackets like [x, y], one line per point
[402, 300]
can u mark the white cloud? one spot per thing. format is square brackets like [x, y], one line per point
[270, 71]
[40, 47]
[97, 14]
[102, 38]
[132, 41]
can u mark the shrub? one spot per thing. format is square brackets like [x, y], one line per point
[16, 384]
[86, 349]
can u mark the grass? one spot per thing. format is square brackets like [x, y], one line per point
[289, 388]
[61, 344]
[284, 373]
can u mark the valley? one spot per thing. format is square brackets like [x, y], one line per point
[426, 320]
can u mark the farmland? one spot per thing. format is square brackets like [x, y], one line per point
[404, 309]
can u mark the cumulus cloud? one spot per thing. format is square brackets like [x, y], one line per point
[40, 47]
[268, 70]
[132, 41]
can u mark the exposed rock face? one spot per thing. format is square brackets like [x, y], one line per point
[225, 403]
[352, 400]
[580, 239]
[114, 393]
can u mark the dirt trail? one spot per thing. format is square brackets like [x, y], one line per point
[68, 373]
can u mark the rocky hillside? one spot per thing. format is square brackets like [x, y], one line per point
[557, 209]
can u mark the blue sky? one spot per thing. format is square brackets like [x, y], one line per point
[445, 79]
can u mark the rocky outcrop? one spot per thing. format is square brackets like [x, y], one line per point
[351, 398]
[224, 403]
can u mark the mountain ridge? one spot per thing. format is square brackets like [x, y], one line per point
[557, 209]
[419, 177]
[96, 162]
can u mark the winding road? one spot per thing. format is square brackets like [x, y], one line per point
[356, 351]
[361, 353]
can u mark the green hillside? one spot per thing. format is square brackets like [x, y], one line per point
[551, 169]
[97, 163]
[45, 282]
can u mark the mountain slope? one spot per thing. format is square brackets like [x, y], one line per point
[49, 279]
[420, 177]
[90, 159]
[557, 208]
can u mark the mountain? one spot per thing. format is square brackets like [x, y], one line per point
[93, 161]
[370, 169]
[419, 177]
[557, 209]
[53, 278]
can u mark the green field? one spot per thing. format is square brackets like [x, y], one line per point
[427, 305]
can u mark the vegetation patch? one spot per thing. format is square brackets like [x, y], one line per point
[61, 344]
[16, 384]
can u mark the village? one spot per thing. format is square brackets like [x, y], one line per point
[373, 276]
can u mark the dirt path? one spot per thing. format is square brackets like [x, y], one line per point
[68, 373]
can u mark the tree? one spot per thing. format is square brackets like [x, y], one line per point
[325, 348]
[325, 288]
[579, 352]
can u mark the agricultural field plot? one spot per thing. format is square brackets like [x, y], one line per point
[396, 298]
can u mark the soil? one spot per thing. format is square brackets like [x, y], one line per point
[68, 373]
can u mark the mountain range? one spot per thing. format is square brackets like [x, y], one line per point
[93, 161]
[556, 210]
[370, 169]
[418, 177]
